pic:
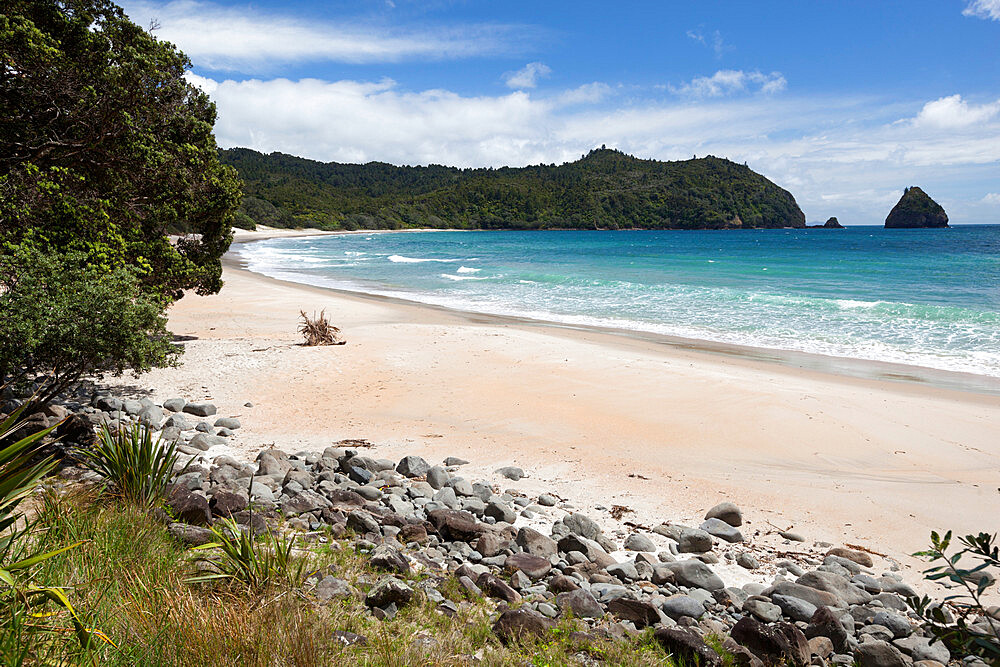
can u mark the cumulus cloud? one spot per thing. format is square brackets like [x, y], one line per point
[247, 40]
[983, 9]
[527, 76]
[834, 163]
[954, 112]
[729, 81]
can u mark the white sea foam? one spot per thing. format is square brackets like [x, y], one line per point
[851, 303]
[400, 259]
[450, 276]
[466, 269]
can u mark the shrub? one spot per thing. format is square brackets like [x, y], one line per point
[137, 468]
[65, 318]
[238, 556]
[961, 637]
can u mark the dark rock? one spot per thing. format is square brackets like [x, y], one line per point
[188, 506]
[695, 574]
[878, 653]
[682, 605]
[497, 588]
[639, 542]
[174, 404]
[193, 535]
[764, 611]
[640, 612]
[200, 409]
[518, 624]
[727, 512]
[76, 428]
[413, 532]
[331, 588]
[500, 511]
[794, 608]
[811, 595]
[780, 642]
[362, 522]
[384, 557]
[203, 441]
[563, 584]
[437, 477]
[359, 475]
[389, 590]
[533, 542]
[344, 499]
[859, 557]
[454, 461]
[535, 567]
[510, 472]
[835, 584]
[915, 209]
[825, 624]
[304, 501]
[686, 647]
[722, 530]
[589, 548]
[921, 648]
[227, 503]
[832, 223]
[580, 603]
[456, 524]
[412, 466]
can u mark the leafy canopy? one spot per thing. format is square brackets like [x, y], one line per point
[105, 148]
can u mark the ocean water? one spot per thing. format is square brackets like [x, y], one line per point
[927, 298]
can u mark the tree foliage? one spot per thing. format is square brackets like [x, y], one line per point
[64, 318]
[606, 189]
[105, 148]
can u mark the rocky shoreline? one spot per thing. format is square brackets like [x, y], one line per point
[535, 557]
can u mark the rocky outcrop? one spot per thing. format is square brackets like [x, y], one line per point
[832, 223]
[916, 210]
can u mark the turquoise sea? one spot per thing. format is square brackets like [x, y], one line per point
[927, 298]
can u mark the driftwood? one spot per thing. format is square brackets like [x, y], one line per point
[317, 330]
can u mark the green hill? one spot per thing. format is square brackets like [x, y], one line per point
[605, 189]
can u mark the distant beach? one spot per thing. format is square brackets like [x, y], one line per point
[603, 418]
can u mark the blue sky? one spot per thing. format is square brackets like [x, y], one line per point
[842, 103]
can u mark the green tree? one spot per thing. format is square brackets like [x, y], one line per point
[106, 149]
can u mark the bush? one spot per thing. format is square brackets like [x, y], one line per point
[238, 556]
[974, 632]
[137, 468]
[65, 318]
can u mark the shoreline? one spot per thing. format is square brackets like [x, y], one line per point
[852, 367]
[598, 418]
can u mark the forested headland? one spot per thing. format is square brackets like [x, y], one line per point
[605, 189]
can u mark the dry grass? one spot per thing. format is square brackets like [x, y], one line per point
[130, 581]
[317, 330]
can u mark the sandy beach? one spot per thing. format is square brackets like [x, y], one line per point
[598, 418]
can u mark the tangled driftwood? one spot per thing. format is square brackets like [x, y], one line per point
[317, 330]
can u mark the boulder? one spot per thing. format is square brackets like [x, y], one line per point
[518, 624]
[533, 542]
[835, 584]
[174, 404]
[878, 653]
[695, 574]
[200, 409]
[510, 472]
[776, 643]
[227, 503]
[641, 612]
[412, 466]
[639, 542]
[385, 557]
[232, 423]
[456, 524]
[794, 608]
[193, 535]
[682, 605]
[331, 588]
[437, 477]
[859, 557]
[686, 647]
[825, 624]
[722, 530]
[189, 507]
[921, 648]
[580, 603]
[727, 512]
[389, 590]
[497, 588]
[535, 567]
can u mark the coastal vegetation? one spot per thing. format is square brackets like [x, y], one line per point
[105, 152]
[915, 209]
[605, 189]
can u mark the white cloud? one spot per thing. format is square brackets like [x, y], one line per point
[992, 198]
[729, 81]
[983, 9]
[243, 39]
[838, 156]
[954, 112]
[527, 76]
[718, 44]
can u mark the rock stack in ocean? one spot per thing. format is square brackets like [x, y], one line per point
[915, 210]
[537, 559]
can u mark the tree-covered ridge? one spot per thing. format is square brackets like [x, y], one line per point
[605, 189]
[916, 209]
